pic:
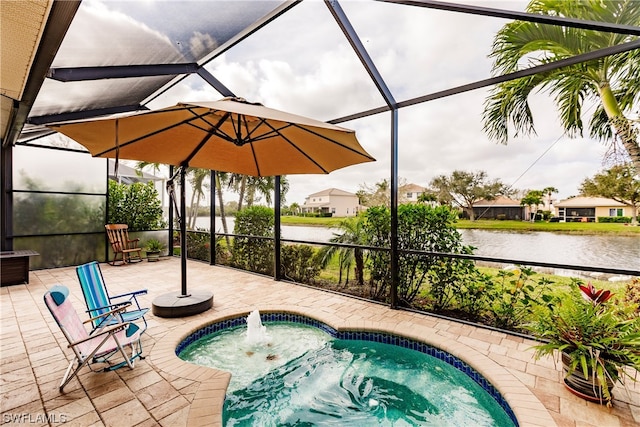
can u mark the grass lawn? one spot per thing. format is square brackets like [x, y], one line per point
[520, 226]
[561, 227]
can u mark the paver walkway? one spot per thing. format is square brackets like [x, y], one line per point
[163, 390]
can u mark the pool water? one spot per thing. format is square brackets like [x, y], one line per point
[300, 375]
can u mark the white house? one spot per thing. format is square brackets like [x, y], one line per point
[332, 201]
[409, 193]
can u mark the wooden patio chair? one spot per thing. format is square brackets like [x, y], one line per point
[124, 248]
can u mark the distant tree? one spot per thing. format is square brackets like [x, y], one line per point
[221, 179]
[427, 197]
[548, 191]
[463, 189]
[198, 180]
[251, 188]
[618, 183]
[532, 199]
[379, 194]
[613, 81]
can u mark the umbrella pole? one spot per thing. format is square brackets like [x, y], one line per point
[183, 231]
[180, 304]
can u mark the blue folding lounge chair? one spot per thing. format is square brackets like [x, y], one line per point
[95, 347]
[99, 302]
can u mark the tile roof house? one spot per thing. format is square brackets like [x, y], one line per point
[332, 202]
[499, 208]
[588, 209]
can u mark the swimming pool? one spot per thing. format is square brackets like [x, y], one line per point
[324, 376]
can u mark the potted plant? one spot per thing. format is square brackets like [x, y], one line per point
[598, 337]
[153, 247]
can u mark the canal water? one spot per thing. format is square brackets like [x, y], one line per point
[607, 251]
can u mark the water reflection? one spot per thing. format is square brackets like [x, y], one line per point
[606, 251]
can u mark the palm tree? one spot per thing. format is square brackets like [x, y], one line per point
[548, 191]
[352, 234]
[197, 178]
[614, 80]
[531, 199]
[248, 186]
[220, 179]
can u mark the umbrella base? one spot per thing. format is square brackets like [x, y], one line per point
[174, 304]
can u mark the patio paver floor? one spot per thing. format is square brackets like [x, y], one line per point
[163, 390]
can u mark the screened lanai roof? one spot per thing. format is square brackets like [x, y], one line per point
[93, 58]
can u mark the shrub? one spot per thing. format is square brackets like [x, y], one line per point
[300, 263]
[615, 219]
[136, 205]
[516, 296]
[423, 228]
[251, 253]
[198, 245]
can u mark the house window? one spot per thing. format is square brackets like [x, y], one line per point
[409, 195]
[615, 212]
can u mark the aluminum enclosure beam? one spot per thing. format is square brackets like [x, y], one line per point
[596, 54]
[86, 114]
[370, 67]
[78, 74]
[521, 16]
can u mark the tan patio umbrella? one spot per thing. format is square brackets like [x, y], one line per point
[229, 135]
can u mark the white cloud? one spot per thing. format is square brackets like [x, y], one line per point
[302, 63]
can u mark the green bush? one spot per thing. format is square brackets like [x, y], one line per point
[136, 205]
[198, 245]
[615, 219]
[300, 263]
[423, 228]
[251, 253]
[515, 296]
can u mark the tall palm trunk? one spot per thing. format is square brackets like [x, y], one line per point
[243, 187]
[622, 126]
[192, 212]
[223, 217]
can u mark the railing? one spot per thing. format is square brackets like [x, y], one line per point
[484, 292]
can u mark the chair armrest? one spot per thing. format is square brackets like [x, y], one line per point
[116, 305]
[134, 293]
[121, 307]
[108, 330]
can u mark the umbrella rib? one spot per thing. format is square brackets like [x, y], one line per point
[293, 145]
[195, 151]
[353, 150]
[121, 145]
[207, 137]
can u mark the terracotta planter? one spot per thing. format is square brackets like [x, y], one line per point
[587, 388]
